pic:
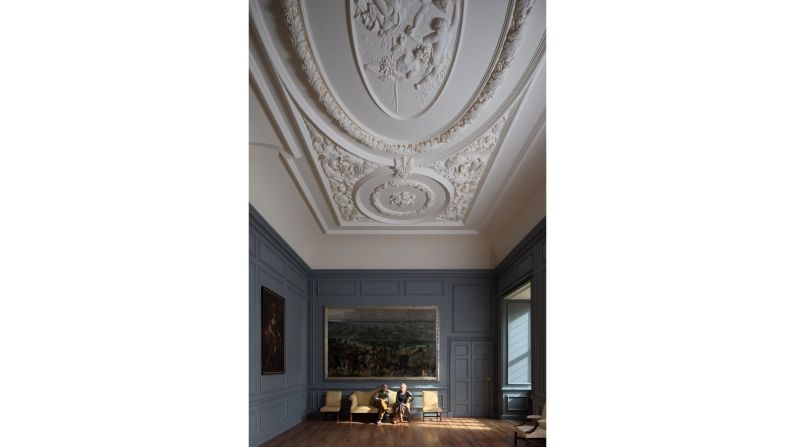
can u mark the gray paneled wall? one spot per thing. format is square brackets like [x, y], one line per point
[470, 308]
[463, 298]
[278, 401]
[527, 261]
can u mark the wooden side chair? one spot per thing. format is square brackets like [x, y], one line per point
[430, 404]
[535, 429]
[333, 399]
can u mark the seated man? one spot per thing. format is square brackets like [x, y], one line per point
[382, 402]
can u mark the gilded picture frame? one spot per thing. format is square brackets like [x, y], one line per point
[388, 343]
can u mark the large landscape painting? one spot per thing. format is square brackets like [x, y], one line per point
[385, 343]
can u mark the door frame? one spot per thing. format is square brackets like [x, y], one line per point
[450, 341]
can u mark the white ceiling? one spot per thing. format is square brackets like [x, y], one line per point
[405, 117]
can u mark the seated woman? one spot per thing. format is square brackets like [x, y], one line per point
[402, 406]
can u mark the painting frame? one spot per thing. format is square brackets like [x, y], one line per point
[272, 332]
[329, 310]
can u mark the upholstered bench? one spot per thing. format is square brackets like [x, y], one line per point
[363, 402]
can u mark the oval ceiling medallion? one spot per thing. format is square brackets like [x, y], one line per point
[404, 50]
[410, 199]
[382, 22]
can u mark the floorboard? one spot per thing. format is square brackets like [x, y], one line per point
[459, 432]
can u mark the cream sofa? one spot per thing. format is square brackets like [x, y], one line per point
[363, 402]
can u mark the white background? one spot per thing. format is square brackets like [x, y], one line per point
[123, 186]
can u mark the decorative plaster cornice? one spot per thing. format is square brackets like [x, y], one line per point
[465, 168]
[342, 170]
[462, 169]
[403, 166]
[295, 22]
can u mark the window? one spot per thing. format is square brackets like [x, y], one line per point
[518, 315]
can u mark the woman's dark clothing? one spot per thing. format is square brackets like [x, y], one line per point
[402, 400]
[404, 397]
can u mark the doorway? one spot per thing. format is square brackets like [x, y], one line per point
[470, 378]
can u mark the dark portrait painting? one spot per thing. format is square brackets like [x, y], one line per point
[272, 333]
[384, 343]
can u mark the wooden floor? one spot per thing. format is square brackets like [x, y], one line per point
[459, 432]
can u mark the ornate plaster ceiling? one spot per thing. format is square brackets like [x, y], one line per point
[401, 116]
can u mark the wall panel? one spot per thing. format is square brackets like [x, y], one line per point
[333, 287]
[381, 287]
[471, 313]
[470, 290]
[424, 287]
[277, 401]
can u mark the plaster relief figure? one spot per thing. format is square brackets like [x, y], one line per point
[381, 16]
[402, 199]
[404, 49]
[442, 5]
[439, 41]
[413, 63]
